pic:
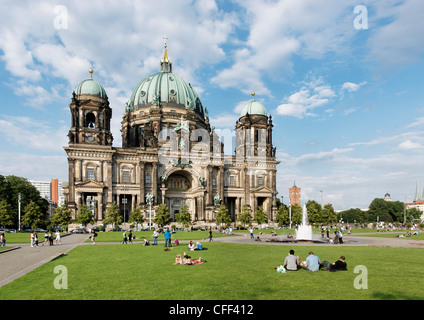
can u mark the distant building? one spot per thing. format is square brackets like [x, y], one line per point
[387, 197]
[294, 194]
[418, 201]
[54, 190]
[50, 190]
[43, 187]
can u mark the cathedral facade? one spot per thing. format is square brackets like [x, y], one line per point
[170, 153]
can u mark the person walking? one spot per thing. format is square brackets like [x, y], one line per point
[167, 238]
[93, 236]
[210, 235]
[251, 233]
[32, 239]
[57, 234]
[36, 239]
[46, 237]
[2, 239]
[124, 238]
[50, 238]
[130, 236]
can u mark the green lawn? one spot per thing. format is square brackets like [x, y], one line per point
[116, 236]
[232, 272]
[24, 237]
[394, 234]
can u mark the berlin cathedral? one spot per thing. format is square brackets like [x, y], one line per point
[170, 153]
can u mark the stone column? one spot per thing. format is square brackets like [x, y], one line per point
[141, 182]
[209, 185]
[155, 181]
[221, 183]
[108, 180]
[100, 206]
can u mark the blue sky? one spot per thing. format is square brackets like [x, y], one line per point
[347, 103]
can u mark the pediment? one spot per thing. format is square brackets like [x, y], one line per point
[262, 189]
[90, 184]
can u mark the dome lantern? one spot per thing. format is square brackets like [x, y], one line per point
[253, 108]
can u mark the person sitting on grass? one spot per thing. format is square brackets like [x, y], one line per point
[339, 265]
[291, 262]
[191, 246]
[312, 262]
[146, 242]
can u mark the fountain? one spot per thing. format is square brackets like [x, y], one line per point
[304, 231]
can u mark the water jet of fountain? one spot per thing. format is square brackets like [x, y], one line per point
[304, 231]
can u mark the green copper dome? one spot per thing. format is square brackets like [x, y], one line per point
[253, 107]
[90, 87]
[165, 88]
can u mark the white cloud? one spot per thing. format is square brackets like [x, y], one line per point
[28, 133]
[278, 30]
[410, 145]
[352, 87]
[302, 103]
[400, 138]
[400, 41]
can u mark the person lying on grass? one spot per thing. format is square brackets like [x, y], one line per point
[187, 260]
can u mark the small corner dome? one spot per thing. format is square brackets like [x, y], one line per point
[253, 108]
[91, 87]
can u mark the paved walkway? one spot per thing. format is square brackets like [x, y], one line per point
[16, 263]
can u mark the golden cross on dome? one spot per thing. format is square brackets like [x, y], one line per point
[165, 38]
[91, 72]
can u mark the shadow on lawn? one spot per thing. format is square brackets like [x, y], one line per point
[394, 296]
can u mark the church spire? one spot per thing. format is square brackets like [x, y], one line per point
[417, 193]
[165, 64]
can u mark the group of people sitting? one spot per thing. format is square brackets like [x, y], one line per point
[187, 260]
[198, 246]
[313, 263]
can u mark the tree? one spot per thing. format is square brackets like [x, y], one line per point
[282, 216]
[32, 215]
[11, 186]
[296, 214]
[222, 215]
[84, 215]
[112, 215]
[354, 215]
[314, 211]
[136, 216]
[61, 217]
[387, 211]
[245, 216]
[183, 216]
[260, 216]
[413, 213]
[162, 216]
[328, 214]
[5, 214]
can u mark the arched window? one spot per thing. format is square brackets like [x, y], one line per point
[90, 120]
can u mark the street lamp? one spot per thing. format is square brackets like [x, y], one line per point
[19, 211]
[290, 215]
[149, 199]
[404, 211]
[124, 200]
